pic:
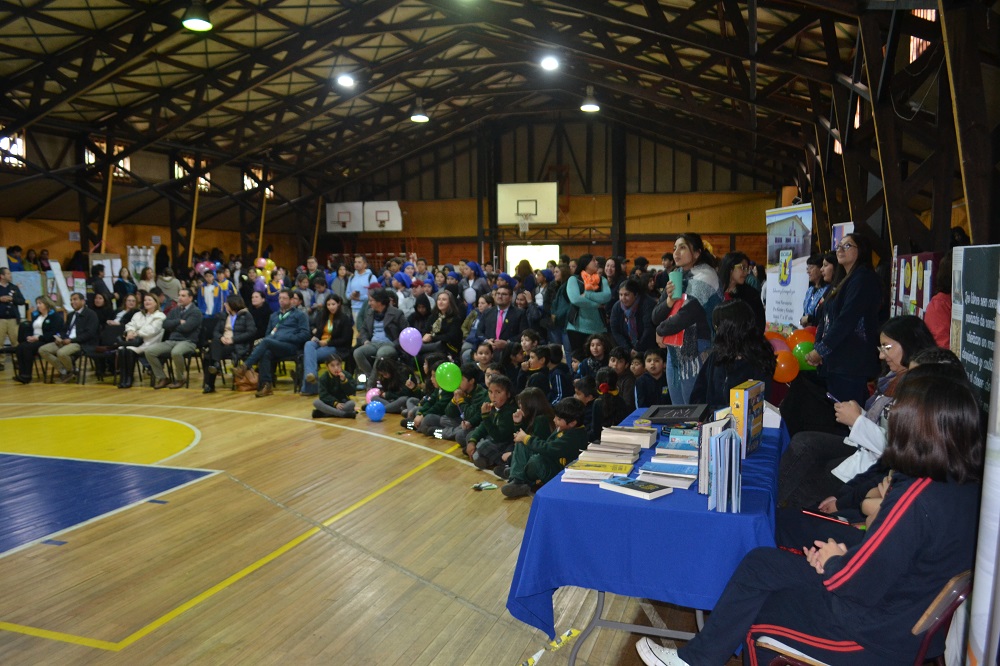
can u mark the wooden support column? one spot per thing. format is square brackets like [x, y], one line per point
[618, 195]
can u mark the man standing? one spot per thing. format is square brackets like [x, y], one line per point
[377, 332]
[287, 332]
[313, 270]
[182, 327]
[80, 332]
[357, 286]
[10, 314]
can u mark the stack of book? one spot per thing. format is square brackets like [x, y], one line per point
[643, 436]
[675, 474]
[586, 471]
[614, 452]
[681, 444]
[636, 488]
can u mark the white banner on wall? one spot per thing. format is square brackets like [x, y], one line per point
[789, 239]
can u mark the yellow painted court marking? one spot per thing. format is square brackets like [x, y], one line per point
[143, 440]
[212, 591]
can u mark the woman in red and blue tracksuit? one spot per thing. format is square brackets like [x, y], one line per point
[857, 605]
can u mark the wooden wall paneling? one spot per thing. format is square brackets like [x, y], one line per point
[450, 251]
[682, 172]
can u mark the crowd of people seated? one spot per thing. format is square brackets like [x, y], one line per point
[549, 356]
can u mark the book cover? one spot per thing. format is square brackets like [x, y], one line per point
[643, 436]
[592, 467]
[747, 404]
[678, 482]
[684, 469]
[611, 457]
[614, 447]
[635, 487]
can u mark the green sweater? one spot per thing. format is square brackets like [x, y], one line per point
[469, 406]
[498, 425]
[437, 404]
[541, 427]
[333, 390]
[561, 447]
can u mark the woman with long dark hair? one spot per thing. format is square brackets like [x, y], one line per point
[739, 353]
[816, 463]
[332, 333]
[632, 318]
[857, 604]
[232, 338]
[445, 333]
[733, 271]
[818, 287]
[845, 348]
[700, 295]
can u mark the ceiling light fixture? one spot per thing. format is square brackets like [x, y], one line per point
[550, 63]
[345, 80]
[196, 17]
[418, 115]
[589, 104]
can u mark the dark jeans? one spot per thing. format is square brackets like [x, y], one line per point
[25, 353]
[268, 352]
[773, 589]
[804, 477]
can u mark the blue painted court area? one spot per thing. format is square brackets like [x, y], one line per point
[42, 496]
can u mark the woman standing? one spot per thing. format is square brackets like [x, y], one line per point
[845, 348]
[44, 327]
[332, 333]
[147, 280]
[144, 329]
[587, 292]
[700, 294]
[733, 271]
[124, 286]
[818, 287]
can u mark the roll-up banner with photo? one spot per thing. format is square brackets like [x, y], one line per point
[789, 239]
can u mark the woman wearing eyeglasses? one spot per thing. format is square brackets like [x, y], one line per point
[817, 464]
[845, 350]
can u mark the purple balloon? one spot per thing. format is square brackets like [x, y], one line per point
[779, 345]
[411, 341]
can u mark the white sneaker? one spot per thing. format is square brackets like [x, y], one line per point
[657, 655]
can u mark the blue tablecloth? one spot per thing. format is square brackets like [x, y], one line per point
[671, 549]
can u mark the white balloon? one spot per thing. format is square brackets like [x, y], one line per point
[470, 295]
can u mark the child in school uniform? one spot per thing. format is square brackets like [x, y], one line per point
[494, 436]
[429, 413]
[595, 355]
[483, 356]
[534, 460]
[396, 383]
[618, 360]
[536, 372]
[336, 388]
[585, 390]
[534, 416]
[560, 383]
[651, 388]
[463, 412]
[425, 389]
[609, 408]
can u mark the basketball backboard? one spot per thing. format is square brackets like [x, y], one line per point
[538, 201]
[383, 216]
[344, 217]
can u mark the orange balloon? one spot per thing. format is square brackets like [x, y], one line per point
[773, 335]
[787, 368]
[800, 336]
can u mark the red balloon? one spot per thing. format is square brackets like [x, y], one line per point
[800, 336]
[787, 368]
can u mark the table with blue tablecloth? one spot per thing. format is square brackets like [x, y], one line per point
[671, 549]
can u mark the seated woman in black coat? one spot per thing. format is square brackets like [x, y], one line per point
[445, 335]
[739, 353]
[233, 337]
[41, 331]
[632, 318]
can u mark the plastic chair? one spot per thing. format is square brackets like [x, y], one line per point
[936, 618]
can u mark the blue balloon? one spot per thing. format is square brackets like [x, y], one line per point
[375, 411]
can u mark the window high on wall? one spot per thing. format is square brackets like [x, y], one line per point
[12, 146]
[253, 178]
[122, 166]
[917, 45]
[185, 165]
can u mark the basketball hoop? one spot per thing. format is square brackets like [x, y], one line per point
[524, 223]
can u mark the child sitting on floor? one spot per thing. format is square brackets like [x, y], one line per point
[429, 413]
[534, 460]
[651, 388]
[494, 436]
[396, 384]
[618, 360]
[585, 390]
[609, 408]
[560, 384]
[534, 415]
[336, 388]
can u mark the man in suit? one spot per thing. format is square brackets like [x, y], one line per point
[503, 323]
[182, 328]
[79, 334]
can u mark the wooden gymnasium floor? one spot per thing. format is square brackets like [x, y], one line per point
[292, 541]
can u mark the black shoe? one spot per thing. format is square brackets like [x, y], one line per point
[502, 470]
[318, 414]
[438, 433]
[208, 389]
[351, 415]
[403, 423]
[22, 380]
[516, 489]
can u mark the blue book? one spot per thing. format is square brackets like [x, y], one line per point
[682, 469]
[677, 447]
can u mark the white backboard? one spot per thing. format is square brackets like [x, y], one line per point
[540, 200]
[345, 217]
[383, 216]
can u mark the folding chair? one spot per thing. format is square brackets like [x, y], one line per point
[936, 618]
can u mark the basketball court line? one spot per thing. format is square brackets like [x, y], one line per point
[116, 646]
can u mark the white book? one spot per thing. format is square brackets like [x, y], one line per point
[569, 477]
[644, 437]
[601, 456]
[617, 447]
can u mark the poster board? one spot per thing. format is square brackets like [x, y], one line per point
[32, 285]
[913, 282]
[112, 265]
[974, 287]
[789, 241]
[58, 289]
[839, 231]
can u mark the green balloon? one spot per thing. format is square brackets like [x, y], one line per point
[800, 352]
[449, 376]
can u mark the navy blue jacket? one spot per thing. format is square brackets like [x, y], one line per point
[847, 336]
